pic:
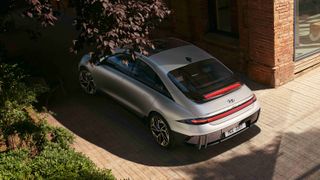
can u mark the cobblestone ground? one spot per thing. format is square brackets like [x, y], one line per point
[284, 145]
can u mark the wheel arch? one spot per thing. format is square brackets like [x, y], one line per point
[82, 67]
[152, 112]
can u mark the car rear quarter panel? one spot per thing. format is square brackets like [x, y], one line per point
[170, 110]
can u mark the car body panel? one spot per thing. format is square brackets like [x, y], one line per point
[200, 110]
[226, 102]
[117, 84]
[145, 100]
[114, 79]
[136, 95]
[175, 58]
[198, 130]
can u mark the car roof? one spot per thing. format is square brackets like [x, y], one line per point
[178, 56]
[165, 44]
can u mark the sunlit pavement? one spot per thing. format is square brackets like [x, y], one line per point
[285, 143]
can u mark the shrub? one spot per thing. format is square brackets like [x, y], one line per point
[53, 162]
[33, 149]
[15, 95]
[44, 153]
[14, 164]
[60, 136]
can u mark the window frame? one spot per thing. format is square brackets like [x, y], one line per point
[213, 21]
[115, 66]
[164, 92]
[130, 73]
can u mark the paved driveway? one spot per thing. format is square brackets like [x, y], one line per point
[284, 145]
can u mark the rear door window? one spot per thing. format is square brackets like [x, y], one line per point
[145, 74]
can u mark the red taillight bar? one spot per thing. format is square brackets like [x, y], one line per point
[222, 91]
[226, 113]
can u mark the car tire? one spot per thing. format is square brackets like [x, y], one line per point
[161, 131]
[86, 82]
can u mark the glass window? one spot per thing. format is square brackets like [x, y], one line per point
[200, 78]
[307, 27]
[223, 16]
[146, 75]
[121, 62]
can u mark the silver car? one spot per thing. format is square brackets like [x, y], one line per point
[184, 92]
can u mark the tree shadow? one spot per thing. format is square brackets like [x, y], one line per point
[311, 172]
[105, 123]
[281, 158]
[258, 164]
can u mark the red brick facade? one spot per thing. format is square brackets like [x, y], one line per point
[264, 49]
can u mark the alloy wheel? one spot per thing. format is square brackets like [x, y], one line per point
[86, 82]
[160, 131]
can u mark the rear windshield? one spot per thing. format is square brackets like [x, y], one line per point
[200, 78]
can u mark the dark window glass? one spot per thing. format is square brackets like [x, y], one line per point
[223, 17]
[121, 62]
[146, 75]
[200, 78]
[307, 27]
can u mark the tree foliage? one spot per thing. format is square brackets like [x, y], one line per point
[103, 24]
[41, 10]
[109, 24]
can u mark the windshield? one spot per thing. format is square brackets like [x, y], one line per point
[199, 78]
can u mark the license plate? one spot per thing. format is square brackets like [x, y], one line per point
[234, 130]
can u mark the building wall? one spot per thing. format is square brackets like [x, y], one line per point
[189, 21]
[264, 49]
[271, 41]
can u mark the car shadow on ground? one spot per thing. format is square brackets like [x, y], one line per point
[104, 122]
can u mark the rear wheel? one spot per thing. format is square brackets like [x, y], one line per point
[86, 82]
[161, 131]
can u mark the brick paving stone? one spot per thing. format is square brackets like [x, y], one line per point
[285, 144]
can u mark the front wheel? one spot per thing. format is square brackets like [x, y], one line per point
[161, 131]
[86, 82]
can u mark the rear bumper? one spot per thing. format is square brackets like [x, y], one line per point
[219, 135]
[207, 128]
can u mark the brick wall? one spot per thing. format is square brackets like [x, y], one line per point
[270, 41]
[264, 49]
[190, 21]
[284, 40]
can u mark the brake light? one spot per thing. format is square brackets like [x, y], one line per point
[223, 90]
[223, 114]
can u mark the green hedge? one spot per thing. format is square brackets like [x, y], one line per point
[53, 162]
[32, 149]
[48, 158]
